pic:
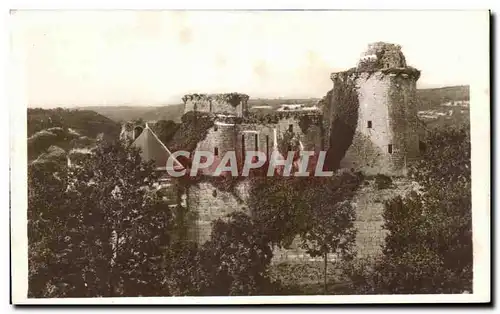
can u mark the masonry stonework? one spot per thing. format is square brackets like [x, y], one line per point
[386, 134]
[209, 203]
[220, 139]
[383, 137]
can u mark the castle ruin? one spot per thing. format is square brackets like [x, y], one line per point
[386, 134]
[368, 122]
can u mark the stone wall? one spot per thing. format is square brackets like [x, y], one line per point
[207, 203]
[403, 113]
[222, 137]
[369, 151]
[369, 209]
[229, 135]
[256, 137]
[295, 253]
[231, 104]
[311, 138]
[369, 204]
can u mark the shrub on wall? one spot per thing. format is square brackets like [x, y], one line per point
[165, 130]
[383, 181]
[308, 120]
[192, 130]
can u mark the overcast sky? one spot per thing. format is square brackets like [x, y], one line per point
[153, 57]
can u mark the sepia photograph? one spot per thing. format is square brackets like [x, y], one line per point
[251, 157]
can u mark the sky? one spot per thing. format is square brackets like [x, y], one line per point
[78, 58]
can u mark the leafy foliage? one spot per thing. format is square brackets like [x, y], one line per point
[47, 184]
[233, 262]
[289, 142]
[185, 270]
[276, 204]
[331, 219]
[100, 229]
[238, 255]
[103, 232]
[289, 206]
[306, 120]
[42, 141]
[165, 130]
[65, 129]
[193, 129]
[429, 245]
[383, 181]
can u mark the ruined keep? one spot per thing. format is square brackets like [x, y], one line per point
[382, 118]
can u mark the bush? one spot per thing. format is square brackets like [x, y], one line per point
[383, 182]
[428, 248]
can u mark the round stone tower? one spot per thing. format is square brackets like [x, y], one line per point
[224, 109]
[207, 200]
[386, 134]
[234, 104]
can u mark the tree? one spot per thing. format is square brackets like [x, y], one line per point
[185, 272]
[233, 262]
[277, 206]
[237, 257]
[47, 183]
[331, 218]
[112, 227]
[429, 245]
[315, 208]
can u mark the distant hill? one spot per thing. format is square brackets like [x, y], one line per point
[444, 107]
[430, 98]
[51, 131]
[128, 113]
[85, 122]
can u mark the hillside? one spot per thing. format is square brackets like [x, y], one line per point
[444, 107]
[432, 97]
[128, 113]
[54, 130]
